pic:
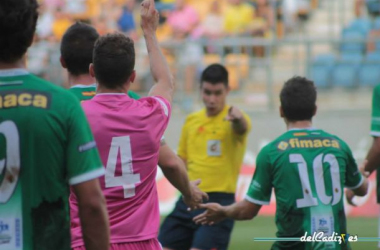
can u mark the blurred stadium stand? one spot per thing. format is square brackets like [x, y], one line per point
[322, 39]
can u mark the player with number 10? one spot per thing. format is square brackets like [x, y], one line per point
[308, 169]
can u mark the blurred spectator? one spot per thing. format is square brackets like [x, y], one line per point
[292, 10]
[212, 25]
[264, 19]
[75, 7]
[100, 24]
[52, 4]
[238, 17]
[62, 22]
[182, 20]
[45, 22]
[126, 21]
[37, 57]
[111, 11]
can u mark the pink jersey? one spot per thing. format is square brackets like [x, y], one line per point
[127, 133]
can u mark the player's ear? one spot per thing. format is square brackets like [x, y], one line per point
[315, 110]
[281, 112]
[133, 76]
[63, 63]
[91, 70]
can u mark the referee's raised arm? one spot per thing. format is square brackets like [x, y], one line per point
[164, 82]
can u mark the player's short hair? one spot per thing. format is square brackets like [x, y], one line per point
[214, 74]
[298, 99]
[77, 46]
[114, 59]
[18, 20]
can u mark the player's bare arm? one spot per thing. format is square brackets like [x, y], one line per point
[242, 210]
[93, 215]
[164, 86]
[373, 156]
[239, 124]
[175, 171]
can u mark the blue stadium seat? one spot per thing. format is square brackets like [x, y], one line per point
[369, 72]
[345, 71]
[362, 25]
[353, 41]
[320, 70]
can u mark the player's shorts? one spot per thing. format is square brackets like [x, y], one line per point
[179, 232]
[151, 244]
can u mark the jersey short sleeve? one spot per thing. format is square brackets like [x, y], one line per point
[354, 179]
[82, 157]
[182, 148]
[375, 117]
[260, 190]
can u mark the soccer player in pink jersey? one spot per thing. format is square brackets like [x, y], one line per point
[128, 134]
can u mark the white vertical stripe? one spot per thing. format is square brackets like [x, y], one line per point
[164, 107]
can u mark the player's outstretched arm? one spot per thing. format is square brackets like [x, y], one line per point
[373, 156]
[242, 210]
[93, 215]
[175, 171]
[239, 124]
[160, 70]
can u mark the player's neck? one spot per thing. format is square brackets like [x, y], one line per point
[298, 124]
[15, 65]
[84, 79]
[102, 89]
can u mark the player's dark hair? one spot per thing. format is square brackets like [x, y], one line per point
[114, 59]
[77, 46]
[298, 99]
[18, 20]
[214, 74]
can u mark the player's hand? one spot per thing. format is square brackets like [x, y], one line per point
[149, 16]
[197, 196]
[350, 196]
[362, 170]
[213, 214]
[234, 114]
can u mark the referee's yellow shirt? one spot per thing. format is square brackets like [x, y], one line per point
[213, 151]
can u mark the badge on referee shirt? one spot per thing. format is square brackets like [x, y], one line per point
[214, 148]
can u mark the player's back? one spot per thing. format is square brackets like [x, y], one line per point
[128, 134]
[309, 170]
[35, 118]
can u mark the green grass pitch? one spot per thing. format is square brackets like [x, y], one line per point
[263, 226]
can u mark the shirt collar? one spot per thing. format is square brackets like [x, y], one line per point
[13, 72]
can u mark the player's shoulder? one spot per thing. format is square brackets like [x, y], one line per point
[155, 102]
[58, 93]
[376, 89]
[342, 144]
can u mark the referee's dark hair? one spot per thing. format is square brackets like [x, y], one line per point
[214, 74]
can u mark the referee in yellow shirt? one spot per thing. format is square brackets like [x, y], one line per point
[212, 144]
